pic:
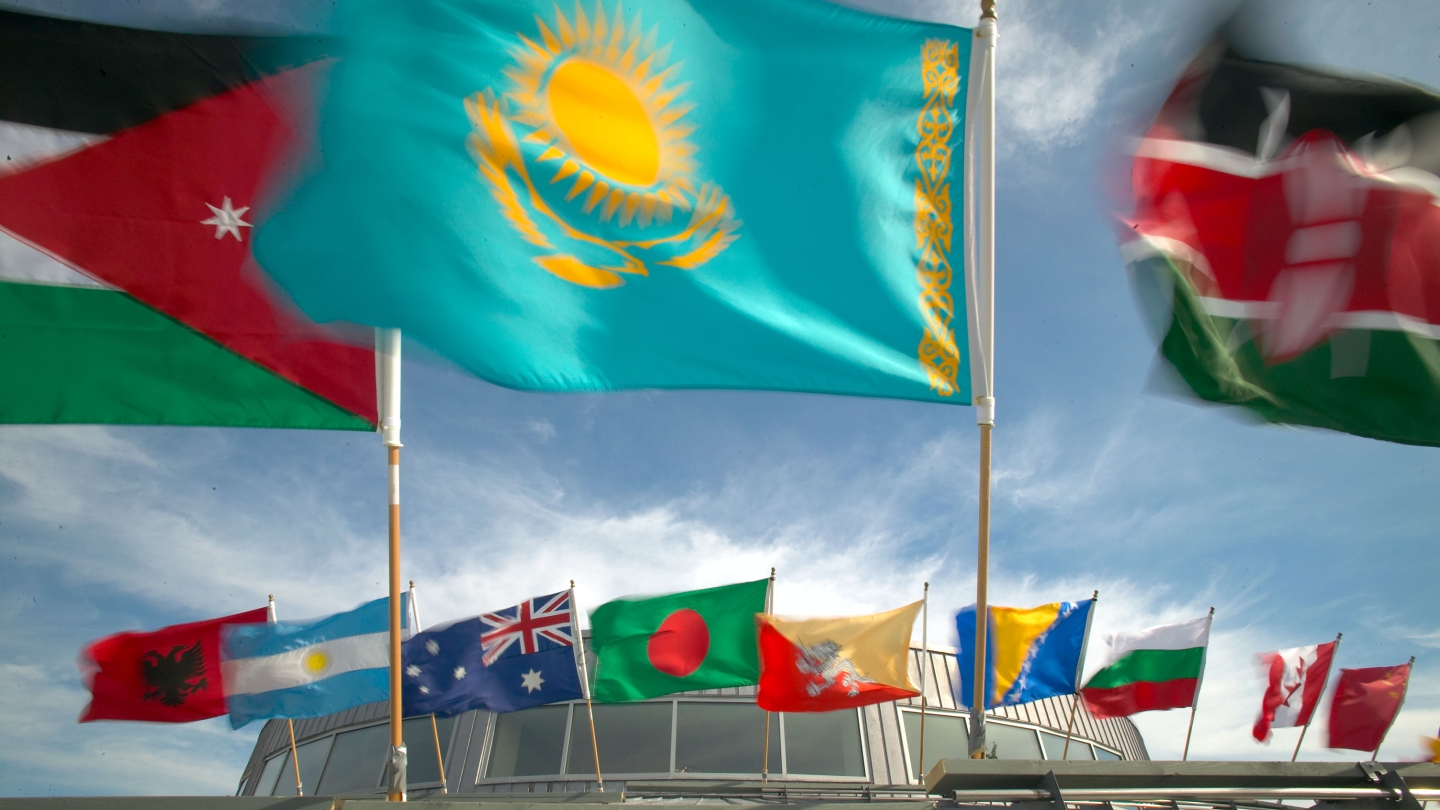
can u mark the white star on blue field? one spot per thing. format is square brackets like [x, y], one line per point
[1103, 479]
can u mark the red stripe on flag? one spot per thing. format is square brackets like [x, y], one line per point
[785, 687]
[1141, 696]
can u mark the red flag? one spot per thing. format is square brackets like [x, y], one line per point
[1366, 702]
[169, 676]
[1297, 678]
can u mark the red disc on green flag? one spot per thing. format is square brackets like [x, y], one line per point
[678, 648]
[653, 646]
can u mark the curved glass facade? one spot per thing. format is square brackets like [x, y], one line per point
[716, 735]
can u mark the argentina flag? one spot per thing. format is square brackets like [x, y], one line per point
[504, 661]
[309, 669]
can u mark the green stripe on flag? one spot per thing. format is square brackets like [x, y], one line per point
[91, 356]
[1153, 666]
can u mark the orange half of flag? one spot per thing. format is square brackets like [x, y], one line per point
[819, 665]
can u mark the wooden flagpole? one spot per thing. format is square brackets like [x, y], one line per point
[1196, 702]
[388, 357]
[439, 756]
[1079, 670]
[924, 671]
[295, 758]
[585, 683]
[983, 322]
[1308, 720]
[769, 606]
[1409, 668]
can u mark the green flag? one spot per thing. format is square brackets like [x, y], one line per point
[659, 645]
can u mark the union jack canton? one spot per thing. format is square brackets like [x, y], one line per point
[542, 623]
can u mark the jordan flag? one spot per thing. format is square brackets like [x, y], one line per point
[1284, 233]
[132, 165]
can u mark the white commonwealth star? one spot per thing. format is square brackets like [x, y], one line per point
[531, 681]
[413, 671]
[227, 220]
[433, 646]
[459, 673]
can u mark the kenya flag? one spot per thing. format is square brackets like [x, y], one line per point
[1286, 232]
[132, 165]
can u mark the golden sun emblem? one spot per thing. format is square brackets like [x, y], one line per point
[601, 123]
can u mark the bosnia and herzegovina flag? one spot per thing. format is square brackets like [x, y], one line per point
[1283, 229]
[591, 195]
[1033, 653]
[132, 163]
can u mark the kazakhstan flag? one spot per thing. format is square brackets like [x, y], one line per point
[593, 196]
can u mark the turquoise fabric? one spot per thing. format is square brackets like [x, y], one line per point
[813, 187]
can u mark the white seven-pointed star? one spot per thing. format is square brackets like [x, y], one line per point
[424, 690]
[459, 673]
[413, 671]
[433, 646]
[227, 220]
[531, 680]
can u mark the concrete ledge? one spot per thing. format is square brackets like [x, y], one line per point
[950, 775]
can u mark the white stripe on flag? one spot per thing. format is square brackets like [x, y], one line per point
[24, 145]
[1183, 636]
[306, 665]
[1292, 684]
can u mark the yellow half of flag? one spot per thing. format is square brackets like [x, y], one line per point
[875, 645]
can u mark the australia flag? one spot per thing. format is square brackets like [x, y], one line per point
[503, 661]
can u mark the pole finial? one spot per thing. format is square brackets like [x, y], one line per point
[272, 597]
[987, 10]
[927, 587]
[412, 584]
[772, 572]
[572, 583]
[1338, 635]
[1096, 595]
[1212, 611]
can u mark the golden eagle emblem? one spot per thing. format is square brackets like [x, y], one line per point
[587, 153]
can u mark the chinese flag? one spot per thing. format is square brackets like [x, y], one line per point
[169, 676]
[1365, 704]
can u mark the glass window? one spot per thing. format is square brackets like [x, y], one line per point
[312, 762]
[357, 761]
[1101, 753]
[1055, 746]
[528, 743]
[1011, 742]
[724, 738]
[824, 744]
[946, 737]
[265, 785]
[633, 738]
[421, 764]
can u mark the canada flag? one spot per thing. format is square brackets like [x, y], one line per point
[1296, 680]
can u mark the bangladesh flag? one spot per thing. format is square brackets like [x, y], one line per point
[132, 167]
[1285, 234]
[648, 647]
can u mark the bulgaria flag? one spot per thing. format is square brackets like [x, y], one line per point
[133, 165]
[820, 665]
[1297, 678]
[646, 647]
[1148, 671]
[1284, 233]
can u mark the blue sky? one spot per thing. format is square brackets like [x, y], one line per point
[1165, 506]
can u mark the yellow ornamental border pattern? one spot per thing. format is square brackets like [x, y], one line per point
[940, 74]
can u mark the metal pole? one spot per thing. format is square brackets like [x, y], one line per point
[924, 670]
[1079, 670]
[585, 682]
[1070, 727]
[1191, 730]
[1308, 720]
[769, 606]
[987, 33]
[389, 357]
[295, 758]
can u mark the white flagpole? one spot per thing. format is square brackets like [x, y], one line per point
[982, 287]
[769, 608]
[388, 357]
[924, 671]
[585, 682]
[414, 611]
[1196, 702]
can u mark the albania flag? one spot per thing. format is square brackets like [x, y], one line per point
[169, 676]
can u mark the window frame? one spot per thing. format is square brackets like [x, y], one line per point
[1037, 730]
